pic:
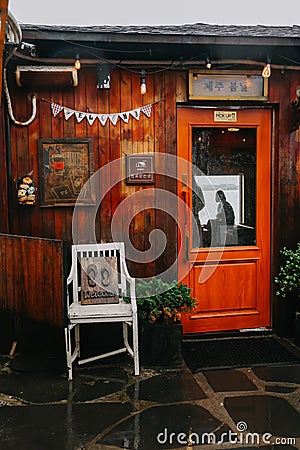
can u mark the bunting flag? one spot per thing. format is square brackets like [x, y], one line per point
[56, 109]
[147, 110]
[91, 117]
[68, 113]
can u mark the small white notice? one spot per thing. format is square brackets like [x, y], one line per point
[225, 116]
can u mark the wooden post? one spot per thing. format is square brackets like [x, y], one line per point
[3, 19]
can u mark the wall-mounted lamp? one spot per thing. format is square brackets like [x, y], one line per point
[103, 76]
[208, 62]
[77, 63]
[28, 49]
[143, 82]
[266, 72]
[195, 76]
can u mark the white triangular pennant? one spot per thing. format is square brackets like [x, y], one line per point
[113, 118]
[91, 118]
[80, 116]
[56, 109]
[147, 110]
[124, 116]
[102, 118]
[136, 113]
[68, 113]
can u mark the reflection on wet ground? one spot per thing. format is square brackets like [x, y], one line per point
[106, 407]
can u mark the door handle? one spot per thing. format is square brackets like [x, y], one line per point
[185, 193]
[187, 246]
[184, 188]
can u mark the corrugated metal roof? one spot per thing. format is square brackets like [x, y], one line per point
[188, 42]
[197, 29]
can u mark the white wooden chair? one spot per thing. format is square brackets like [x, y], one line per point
[99, 274]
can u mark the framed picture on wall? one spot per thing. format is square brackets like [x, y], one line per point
[65, 165]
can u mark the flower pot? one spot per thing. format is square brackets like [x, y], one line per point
[297, 329]
[284, 315]
[160, 345]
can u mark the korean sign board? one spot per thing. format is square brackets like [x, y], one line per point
[224, 85]
[140, 169]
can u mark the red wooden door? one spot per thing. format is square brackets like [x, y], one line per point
[224, 174]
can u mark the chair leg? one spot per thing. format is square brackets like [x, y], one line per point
[68, 352]
[77, 339]
[135, 345]
[134, 351]
[125, 338]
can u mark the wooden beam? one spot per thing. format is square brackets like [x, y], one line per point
[3, 19]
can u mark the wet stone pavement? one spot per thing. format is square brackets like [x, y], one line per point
[106, 407]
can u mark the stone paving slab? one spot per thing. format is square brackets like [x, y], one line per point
[285, 374]
[169, 387]
[265, 414]
[105, 407]
[56, 427]
[229, 380]
[164, 427]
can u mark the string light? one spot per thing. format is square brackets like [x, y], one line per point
[248, 82]
[208, 62]
[77, 63]
[267, 69]
[143, 82]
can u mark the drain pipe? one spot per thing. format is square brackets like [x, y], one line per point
[8, 168]
[14, 319]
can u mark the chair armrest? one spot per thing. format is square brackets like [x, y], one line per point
[131, 282]
[132, 294]
[70, 278]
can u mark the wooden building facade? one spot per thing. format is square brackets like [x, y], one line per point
[78, 112]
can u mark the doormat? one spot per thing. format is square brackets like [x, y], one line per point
[238, 352]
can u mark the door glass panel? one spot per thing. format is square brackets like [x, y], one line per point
[224, 186]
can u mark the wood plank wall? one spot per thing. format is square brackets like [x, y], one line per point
[286, 159]
[31, 278]
[155, 134]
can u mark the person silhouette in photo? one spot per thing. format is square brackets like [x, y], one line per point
[198, 203]
[224, 210]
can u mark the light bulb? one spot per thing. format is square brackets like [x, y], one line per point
[143, 83]
[208, 63]
[266, 71]
[77, 63]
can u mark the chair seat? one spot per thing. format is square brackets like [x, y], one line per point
[78, 311]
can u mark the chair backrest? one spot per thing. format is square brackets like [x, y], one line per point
[98, 272]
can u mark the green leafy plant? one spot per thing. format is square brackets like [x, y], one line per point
[160, 302]
[288, 279]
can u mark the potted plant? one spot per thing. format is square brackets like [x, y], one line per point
[160, 308]
[288, 285]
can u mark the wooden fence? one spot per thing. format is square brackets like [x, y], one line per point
[32, 278]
